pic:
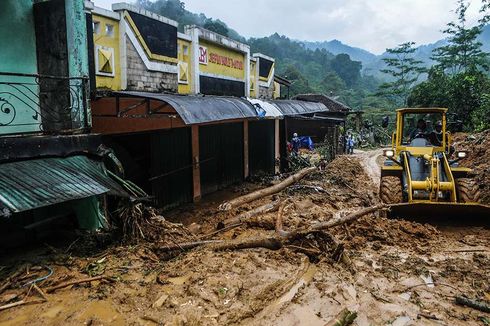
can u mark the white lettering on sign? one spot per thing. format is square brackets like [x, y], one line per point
[203, 55]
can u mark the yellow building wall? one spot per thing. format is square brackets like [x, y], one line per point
[253, 87]
[108, 43]
[227, 67]
[277, 90]
[184, 49]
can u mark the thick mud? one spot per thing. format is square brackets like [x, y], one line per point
[391, 272]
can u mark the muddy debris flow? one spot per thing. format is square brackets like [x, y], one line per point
[369, 271]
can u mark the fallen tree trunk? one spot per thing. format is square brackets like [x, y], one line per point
[346, 219]
[187, 245]
[271, 243]
[243, 217]
[325, 225]
[220, 245]
[266, 191]
[268, 243]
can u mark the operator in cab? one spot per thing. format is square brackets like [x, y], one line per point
[419, 131]
[436, 136]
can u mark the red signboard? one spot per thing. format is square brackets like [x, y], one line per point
[218, 59]
[203, 55]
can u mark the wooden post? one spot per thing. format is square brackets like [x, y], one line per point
[246, 171]
[277, 149]
[196, 168]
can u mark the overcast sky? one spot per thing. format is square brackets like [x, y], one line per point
[373, 25]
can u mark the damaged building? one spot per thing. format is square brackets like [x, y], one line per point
[51, 166]
[122, 93]
[187, 113]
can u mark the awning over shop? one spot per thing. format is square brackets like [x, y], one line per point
[294, 107]
[31, 184]
[271, 111]
[201, 109]
[319, 118]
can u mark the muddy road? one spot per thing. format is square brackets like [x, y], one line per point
[389, 272]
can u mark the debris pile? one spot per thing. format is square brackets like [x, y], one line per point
[478, 148]
[313, 252]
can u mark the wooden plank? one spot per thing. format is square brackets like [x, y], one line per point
[246, 169]
[277, 148]
[196, 171]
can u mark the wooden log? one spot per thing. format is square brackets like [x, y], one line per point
[279, 224]
[244, 217]
[266, 191]
[346, 219]
[41, 292]
[187, 245]
[220, 245]
[19, 303]
[475, 304]
[268, 243]
[333, 222]
[9, 279]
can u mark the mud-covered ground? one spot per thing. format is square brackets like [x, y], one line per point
[391, 272]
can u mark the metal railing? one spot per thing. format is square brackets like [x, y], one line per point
[40, 103]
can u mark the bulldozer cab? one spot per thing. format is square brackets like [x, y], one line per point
[421, 128]
[421, 175]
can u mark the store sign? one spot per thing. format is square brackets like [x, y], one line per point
[225, 61]
[203, 55]
[218, 59]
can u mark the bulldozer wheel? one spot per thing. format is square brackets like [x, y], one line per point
[467, 190]
[390, 190]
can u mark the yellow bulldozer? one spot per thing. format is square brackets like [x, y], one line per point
[421, 176]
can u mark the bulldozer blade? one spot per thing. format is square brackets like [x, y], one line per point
[465, 212]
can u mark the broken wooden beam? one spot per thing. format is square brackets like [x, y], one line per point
[226, 206]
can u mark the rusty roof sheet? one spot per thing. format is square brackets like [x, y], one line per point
[31, 184]
[295, 107]
[201, 109]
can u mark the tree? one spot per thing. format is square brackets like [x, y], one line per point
[348, 70]
[405, 71]
[466, 94]
[216, 26]
[463, 50]
[331, 84]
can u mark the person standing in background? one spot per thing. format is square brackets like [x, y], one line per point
[350, 143]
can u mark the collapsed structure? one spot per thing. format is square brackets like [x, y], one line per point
[185, 113]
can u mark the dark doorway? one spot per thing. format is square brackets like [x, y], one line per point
[221, 156]
[261, 146]
[171, 167]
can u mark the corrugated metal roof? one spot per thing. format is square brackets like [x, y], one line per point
[31, 184]
[330, 102]
[202, 109]
[271, 111]
[293, 107]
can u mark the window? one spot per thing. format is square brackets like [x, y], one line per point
[424, 127]
[109, 30]
[185, 50]
[96, 27]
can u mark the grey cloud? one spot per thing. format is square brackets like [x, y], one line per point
[370, 24]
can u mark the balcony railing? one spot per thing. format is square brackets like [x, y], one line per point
[43, 104]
